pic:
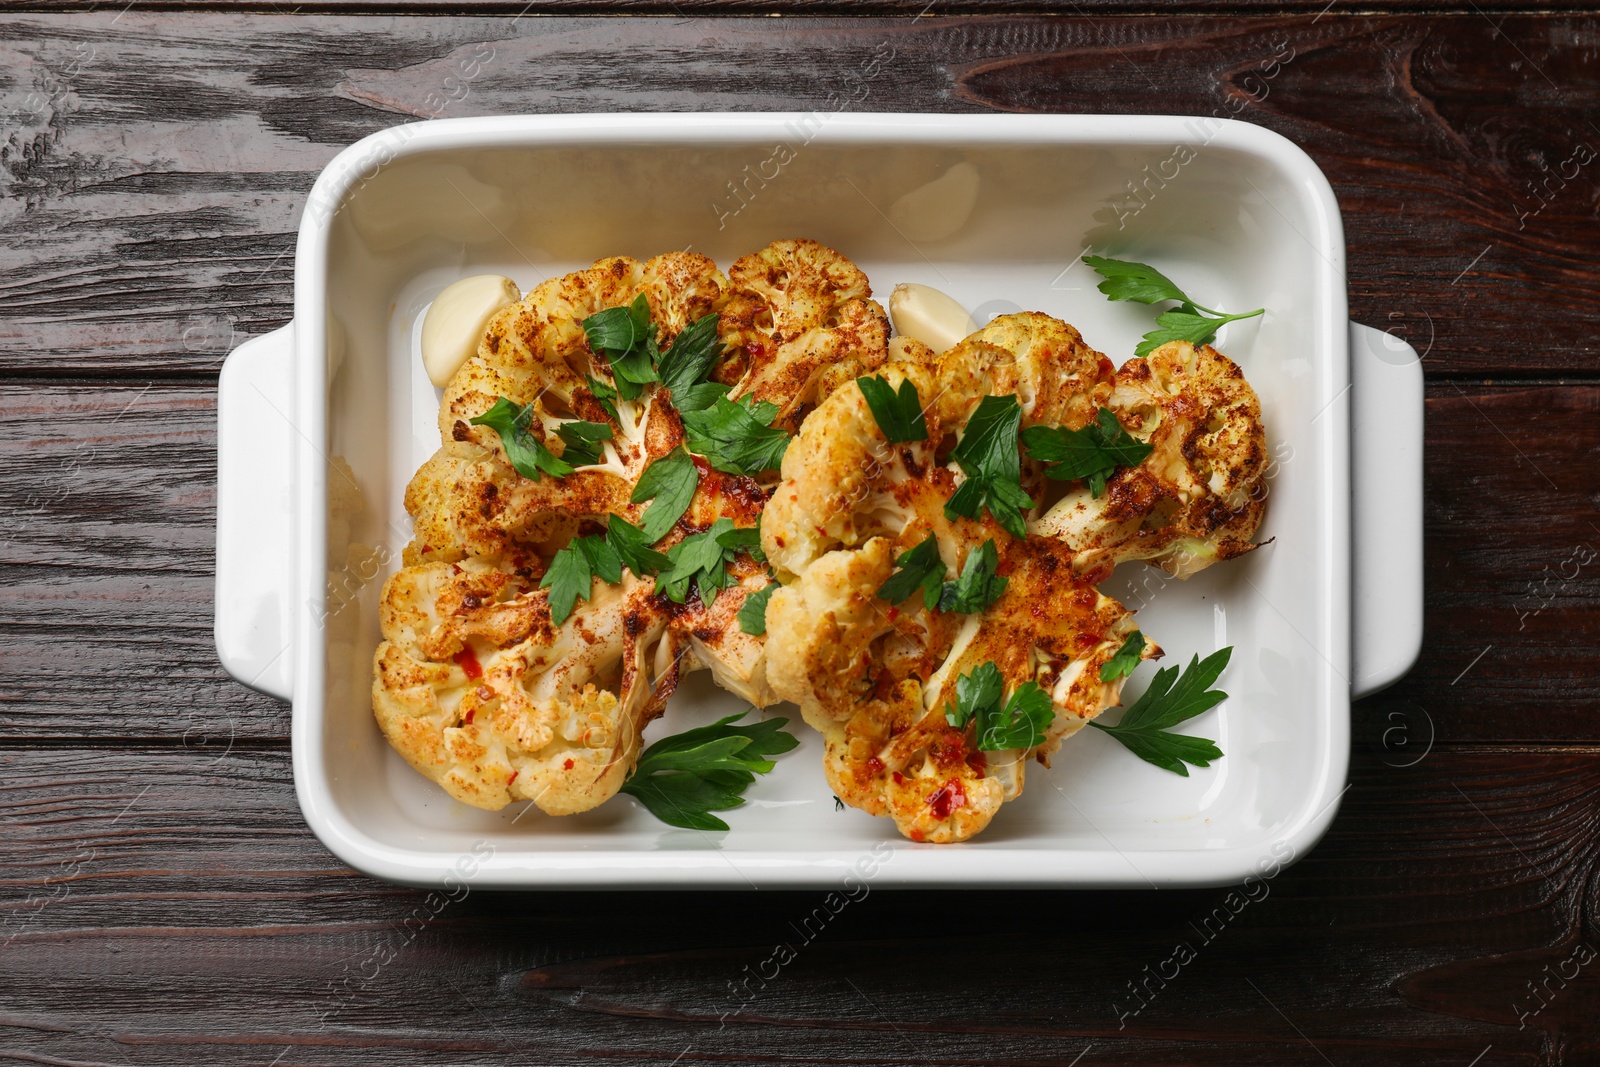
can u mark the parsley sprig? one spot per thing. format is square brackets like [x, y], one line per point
[603, 395]
[582, 440]
[1139, 282]
[573, 568]
[527, 453]
[899, 414]
[990, 454]
[683, 778]
[1020, 722]
[572, 572]
[735, 436]
[700, 560]
[1124, 660]
[920, 568]
[979, 585]
[632, 546]
[1094, 452]
[1172, 699]
[753, 612]
[669, 484]
[629, 340]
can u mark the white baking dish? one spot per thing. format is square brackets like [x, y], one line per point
[1240, 216]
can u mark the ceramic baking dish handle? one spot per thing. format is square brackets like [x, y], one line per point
[255, 513]
[1385, 507]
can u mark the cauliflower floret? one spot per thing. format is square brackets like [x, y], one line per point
[468, 499]
[1058, 380]
[878, 679]
[1199, 497]
[798, 324]
[480, 692]
[474, 683]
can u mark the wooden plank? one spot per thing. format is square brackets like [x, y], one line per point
[109, 475]
[804, 8]
[185, 906]
[107, 551]
[161, 163]
[100, 655]
[105, 615]
[1511, 650]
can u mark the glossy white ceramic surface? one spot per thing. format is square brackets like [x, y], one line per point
[1238, 215]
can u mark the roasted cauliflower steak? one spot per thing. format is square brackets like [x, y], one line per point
[475, 683]
[877, 679]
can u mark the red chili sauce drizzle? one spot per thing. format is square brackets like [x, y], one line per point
[469, 662]
[949, 797]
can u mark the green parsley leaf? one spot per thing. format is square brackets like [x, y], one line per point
[1094, 452]
[899, 415]
[603, 559]
[572, 572]
[693, 351]
[632, 547]
[979, 585]
[619, 329]
[701, 560]
[583, 441]
[1125, 660]
[683, 778]
[669, 483]
[697, 560]
[753, 612]
[737, 436]
[990, 455]
[1172, 699]
[698, 397]
[977, 689]
[1125, 280]
[920, 568]
[1020, 723]
[628, 338]
[744, 539]
[603, 395]
[527, 453]
[1181, 325]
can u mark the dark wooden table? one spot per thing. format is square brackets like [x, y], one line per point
[161, 898]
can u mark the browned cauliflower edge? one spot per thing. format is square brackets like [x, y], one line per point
[474, 683]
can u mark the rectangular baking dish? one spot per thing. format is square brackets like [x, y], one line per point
[323, 422]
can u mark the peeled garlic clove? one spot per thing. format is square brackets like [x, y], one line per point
[924, 314]
[938, 209]
[456, 321]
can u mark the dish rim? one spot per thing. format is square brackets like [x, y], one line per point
[913, 864]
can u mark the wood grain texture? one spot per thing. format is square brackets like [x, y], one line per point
[107, 549]
[195, 920]
[156, 165]
[803, 8]
[161, 899]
